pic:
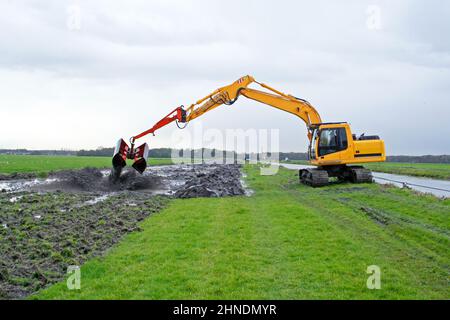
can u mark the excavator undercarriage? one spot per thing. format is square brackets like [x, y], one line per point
[320, 176]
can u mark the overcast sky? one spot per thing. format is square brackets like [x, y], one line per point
[81, 74]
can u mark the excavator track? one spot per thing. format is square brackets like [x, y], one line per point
[360, 175]
[314, 177]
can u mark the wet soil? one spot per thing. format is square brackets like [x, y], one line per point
[221, 181]
[49, 224]
[95, 180]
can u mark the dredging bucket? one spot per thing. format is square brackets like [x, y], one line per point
[122, 152]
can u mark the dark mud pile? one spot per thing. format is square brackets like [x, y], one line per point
[221, 181]
[50, 224]
[175, 181]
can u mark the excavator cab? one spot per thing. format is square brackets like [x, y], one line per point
[326, 141]
[336, 152]
[334, 143]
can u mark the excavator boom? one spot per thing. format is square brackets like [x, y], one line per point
[229, 94]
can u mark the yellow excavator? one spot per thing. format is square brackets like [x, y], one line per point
[333, 148]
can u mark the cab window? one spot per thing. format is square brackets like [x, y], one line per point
[332, 140]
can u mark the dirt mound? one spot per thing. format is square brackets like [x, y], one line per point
[95, 180]
[87, 179]
[131, 180]
[222, 181]
[177, 181]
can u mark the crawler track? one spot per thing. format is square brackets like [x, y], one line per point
[360, 175]
[319, 177]
[314, 177]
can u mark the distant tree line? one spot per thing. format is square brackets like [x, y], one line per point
[39, 152]
[420, 159]
[208, 153]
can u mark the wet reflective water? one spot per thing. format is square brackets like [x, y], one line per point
[439, 188]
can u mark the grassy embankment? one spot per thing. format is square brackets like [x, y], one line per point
[286, 241]
[42, 165]
[430, 170]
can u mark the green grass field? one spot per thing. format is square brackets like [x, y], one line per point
[42, 165]
[430, 170]
[286, 241]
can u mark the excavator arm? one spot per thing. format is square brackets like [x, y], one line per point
[225, 95]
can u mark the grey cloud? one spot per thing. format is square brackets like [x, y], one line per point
[321, 51]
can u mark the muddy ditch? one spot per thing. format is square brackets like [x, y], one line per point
[49, 224]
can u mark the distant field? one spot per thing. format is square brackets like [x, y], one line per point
[41, 165]
[431, 170]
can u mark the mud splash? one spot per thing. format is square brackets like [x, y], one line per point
[95, 180]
